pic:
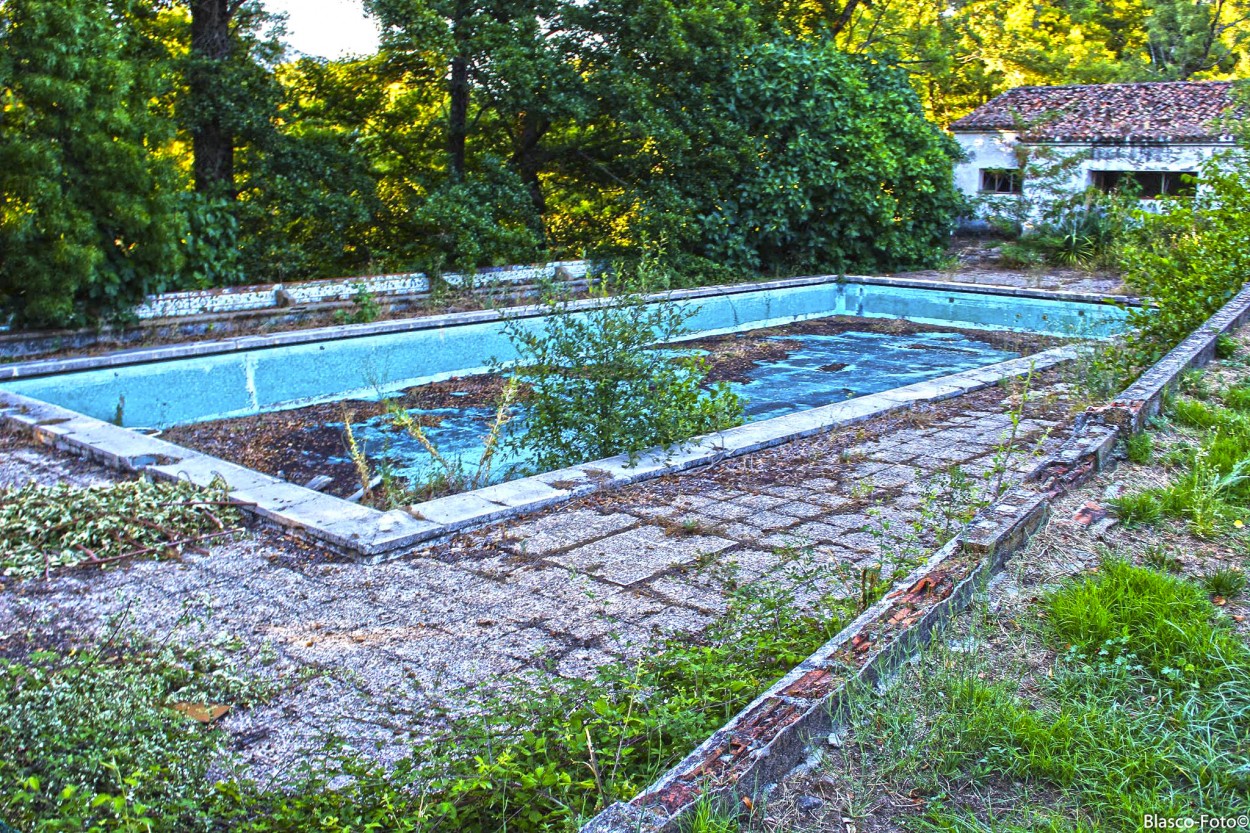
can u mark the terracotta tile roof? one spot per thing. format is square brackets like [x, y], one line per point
[1175, 111]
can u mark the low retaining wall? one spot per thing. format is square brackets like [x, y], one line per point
[279, 295]
[772, 735]
[227, 309]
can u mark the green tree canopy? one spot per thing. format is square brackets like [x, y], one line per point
[89, 221]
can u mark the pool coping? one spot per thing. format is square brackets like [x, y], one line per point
[144, 355]
[773, 734]
[372, 535]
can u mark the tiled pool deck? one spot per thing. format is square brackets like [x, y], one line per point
[372, 653]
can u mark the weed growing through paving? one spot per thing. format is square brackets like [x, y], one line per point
[561, 754]
[951, 500]
[1007, 448]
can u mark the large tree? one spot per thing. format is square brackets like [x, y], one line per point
[89, 220]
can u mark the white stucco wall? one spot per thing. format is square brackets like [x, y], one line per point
[998, 149]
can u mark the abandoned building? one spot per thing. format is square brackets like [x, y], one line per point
[1031, 145]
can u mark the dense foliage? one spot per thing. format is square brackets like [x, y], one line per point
[597, 386]
[1190, 259]
[89, 220]
[151, 144]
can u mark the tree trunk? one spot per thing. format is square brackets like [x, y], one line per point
[458, 91]
[212, 143]
[527, 162]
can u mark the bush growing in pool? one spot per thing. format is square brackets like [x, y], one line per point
[597, 388]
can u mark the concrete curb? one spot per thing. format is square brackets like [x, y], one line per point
[371, 535]
[771, 736]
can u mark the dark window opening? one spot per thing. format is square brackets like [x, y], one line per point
[1149, 185]
[1000, 181]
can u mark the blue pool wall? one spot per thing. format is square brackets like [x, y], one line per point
[247, 382]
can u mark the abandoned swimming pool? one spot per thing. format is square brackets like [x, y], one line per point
[235, 379]
[817, 367]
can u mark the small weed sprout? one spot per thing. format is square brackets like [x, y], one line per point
[365, 307]
[1225, 347]
[1140, 448]
[1007, 449]
[1162, 559]
[1227, 583]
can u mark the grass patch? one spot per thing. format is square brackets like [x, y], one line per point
[1138, 508]
[1141, 448]
[1165, 622]
[1227, 583]
[1211, 486]
[1145, 709]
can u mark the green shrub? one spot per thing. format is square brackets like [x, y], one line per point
[1190, 259]
[597, 386]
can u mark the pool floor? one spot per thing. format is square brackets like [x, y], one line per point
[790, 372]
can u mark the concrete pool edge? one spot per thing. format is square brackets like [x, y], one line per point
[773, 734]
[372, 535]
[50, 367]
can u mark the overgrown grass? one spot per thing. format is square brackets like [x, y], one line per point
[1145, 709]
[1210, 486]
